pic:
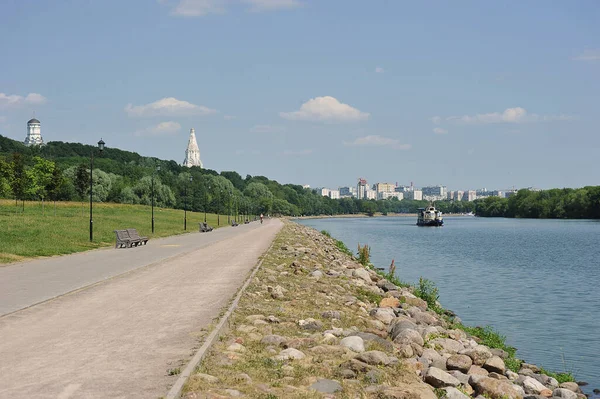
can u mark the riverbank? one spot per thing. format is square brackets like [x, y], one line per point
[316, 323]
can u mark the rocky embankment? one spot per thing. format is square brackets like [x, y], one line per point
[315, 323]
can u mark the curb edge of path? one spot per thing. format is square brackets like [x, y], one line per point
[175, 391]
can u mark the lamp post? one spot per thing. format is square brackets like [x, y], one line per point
[157, 170]
[101, 148]
[206, 201]
[229, 209]
[218, 208]
[185, 207]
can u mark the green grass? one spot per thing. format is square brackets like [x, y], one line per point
[37, 232]
[560, 377]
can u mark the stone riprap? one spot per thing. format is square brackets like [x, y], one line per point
[314, 323]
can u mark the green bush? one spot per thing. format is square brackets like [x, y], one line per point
[364, 255]
[427, 291]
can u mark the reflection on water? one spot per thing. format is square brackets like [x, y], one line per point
[536, 281]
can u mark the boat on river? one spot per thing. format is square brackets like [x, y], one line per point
[429, 217]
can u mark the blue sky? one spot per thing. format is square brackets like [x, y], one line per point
[468, 94]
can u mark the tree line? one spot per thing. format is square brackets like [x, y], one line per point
[565, 203]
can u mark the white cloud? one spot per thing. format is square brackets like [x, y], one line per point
[439, 130]
[297, 152]
[199, 8]
[168, 106]
[379, 70]
[588, 55]
[509, 115]
[267, 129]
[378, 141]
[436, 120]
[15, 100]
[162, 129]
[326, 109]
[268, 5]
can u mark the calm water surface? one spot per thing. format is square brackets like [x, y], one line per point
[536, 281]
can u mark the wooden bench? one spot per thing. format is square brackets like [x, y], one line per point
[204, 227]
[133, 234]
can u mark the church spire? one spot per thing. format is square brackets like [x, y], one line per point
[192, 153]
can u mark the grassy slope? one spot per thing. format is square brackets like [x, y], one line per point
[33, 233]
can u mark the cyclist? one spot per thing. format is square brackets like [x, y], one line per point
[261, 218]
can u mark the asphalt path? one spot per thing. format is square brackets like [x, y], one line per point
[112, 323]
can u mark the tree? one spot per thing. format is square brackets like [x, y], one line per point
[19, 180]
[260, 195]
[5, 178]
[81, 180]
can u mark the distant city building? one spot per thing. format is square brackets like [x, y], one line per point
[455, 195]
[416, 195]
[386, 195]
[361, 189]
[498, 193]
[192, 153]
[347, 191]
[509, 193]
[435, 193]
[323, 192]
[404, 189]
[334, 194]
[371, 194]
[306, 186]
[470, 195]
[385, 187]
[34, 133]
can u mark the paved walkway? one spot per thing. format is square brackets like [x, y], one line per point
[118, 338]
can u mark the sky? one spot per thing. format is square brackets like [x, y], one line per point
[467, 94]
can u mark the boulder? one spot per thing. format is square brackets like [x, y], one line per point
[448, 345]
[564, 393]
[571, 386]
[386, 285]
[408, 391]
[326, 386]
[400, 324]
[408, 336]
[354, 343]
[495, 364]
[331, 314]
[476, 370]
[478, 354]
[276, 292]
[376, 358]
[389, 302]
[531, 385]
[206, 377]
[273, 340]
[495, 389]
[439, 378]
[384, 315]
[453, 393]
[459, 362]
[373, 338]
[316, 274]
[290, 353]
[362, 274]
[463, 378]
[310, 324]
[426, 319]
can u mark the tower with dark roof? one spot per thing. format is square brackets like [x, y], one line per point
[34, 133]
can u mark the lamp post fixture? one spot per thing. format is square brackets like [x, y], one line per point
[101, 148]
[185, 207]
[206, 201]
[157, 170]
[229, 209]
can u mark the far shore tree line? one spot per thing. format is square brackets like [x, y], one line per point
[60, 171]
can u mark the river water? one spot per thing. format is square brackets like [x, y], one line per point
[535, 281]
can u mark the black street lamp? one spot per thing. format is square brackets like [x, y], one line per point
[101, 148]
[185, 207]
[229, 209]
[206, 201]
[219, 207]
[157, 170]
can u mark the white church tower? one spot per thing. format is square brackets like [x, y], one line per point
[34, 133]
[192, 153]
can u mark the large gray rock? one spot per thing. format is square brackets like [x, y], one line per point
[459, 362]
[376, 358]
[453, 393]
[531, 385]
[408, 391]
[354, 343]
[425, 318]
[439, 378]
[290, 353]
[273, 340]
[331, 314]
[384, 315]
[408, 336]
[372, 338]
[386, 285]
[564, 393]
[571, 386]
[448, 345]
[463, 378]
[495, 389]
[479, 354]
[495, 364]
[400, 324]
[362, 274]
[326, 386]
